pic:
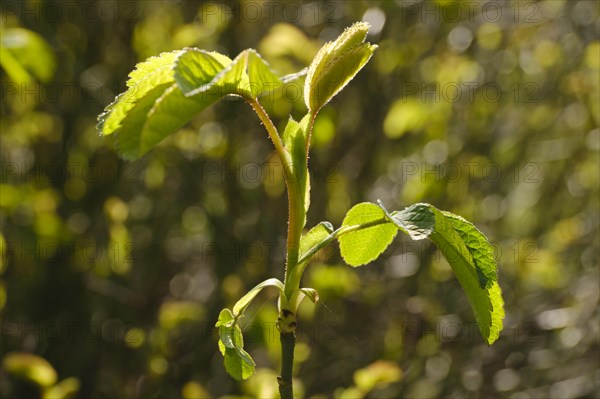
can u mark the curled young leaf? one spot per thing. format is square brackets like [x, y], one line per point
[311, 294]
[335, 65]
[242, 304]
[238, 362]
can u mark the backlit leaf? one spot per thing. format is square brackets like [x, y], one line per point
[365, 244]
[335, 65]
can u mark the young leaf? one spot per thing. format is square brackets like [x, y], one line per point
[248, 75]
[154, 107]
[197, 68]
[372, 236]
[470, 255]
[291, 77]
[468, 252]
[418, 221]
[238, 362]
[261, 77]
[479, 248]
[243, 303]
[146, 83]
[225, 318]
[192, 79]
[335, 65]
[128, 136]
[294, 138]
[314, 237]
[311, 294]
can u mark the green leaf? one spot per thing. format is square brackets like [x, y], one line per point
[242, 304]
[26, 55]
[369, 234]
[170, 111]
[311, 294]
[297, 297]
[128, 138]
[471, 257]
[154, 107]
[146, 83]
[248, 75]
[479, 248]
[261, 77]
[364, 235]
[314, 237]
[294, 138]
[292, 77]
[335, 65]
[195, 68]
[418, 221]
[238, 362]
[225, 318]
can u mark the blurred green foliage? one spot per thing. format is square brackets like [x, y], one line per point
[114, 272]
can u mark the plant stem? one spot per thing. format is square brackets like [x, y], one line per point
[288, 341]
[293, 175]
[284, 155]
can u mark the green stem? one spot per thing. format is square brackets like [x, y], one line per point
[288, 341]
[309, 134]
[284, 155]
[296, 216]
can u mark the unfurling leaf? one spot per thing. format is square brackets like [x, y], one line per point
[335, 65]
[243, 303]
[294, 138]
[238, 362]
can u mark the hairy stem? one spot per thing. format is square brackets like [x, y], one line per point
[284, 155]
[296, 217]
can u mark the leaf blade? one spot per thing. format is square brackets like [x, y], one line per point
[194, 68]
[243, 303]
[143, 80]
[365, 244]
[417, 220]
[335, 64]
[261, 77]
[486, 300]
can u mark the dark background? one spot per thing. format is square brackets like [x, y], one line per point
[114, 272]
